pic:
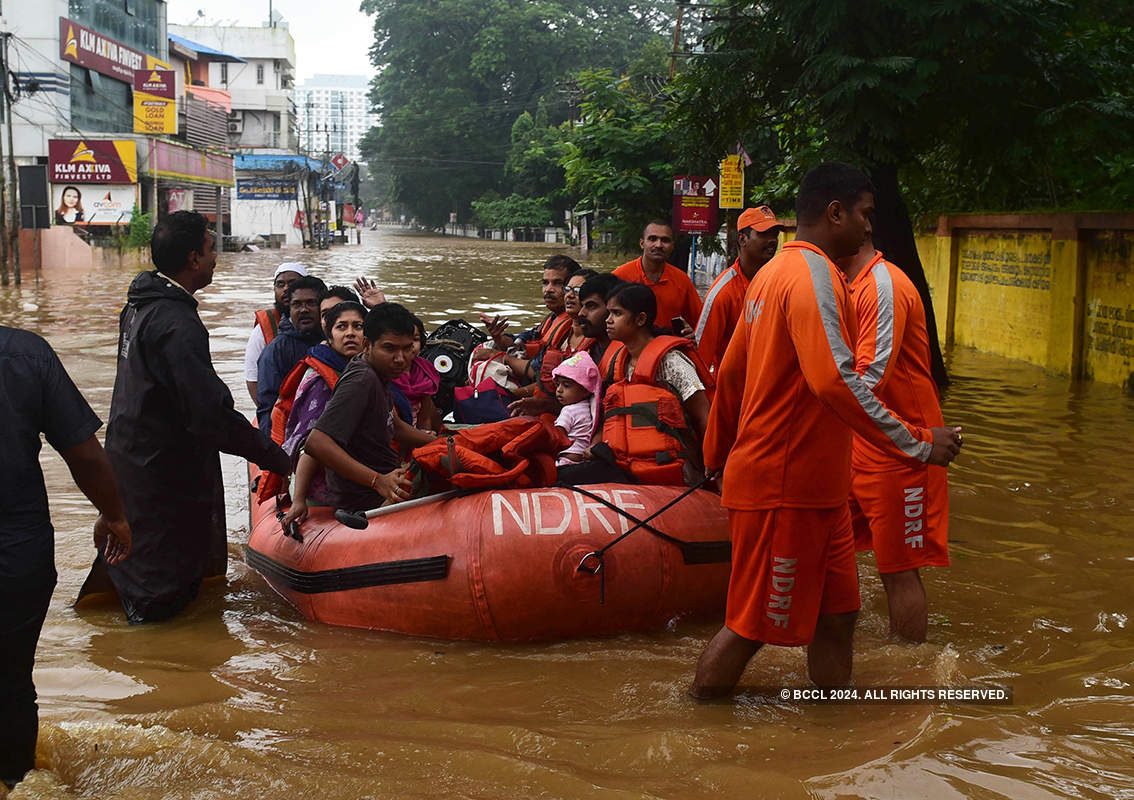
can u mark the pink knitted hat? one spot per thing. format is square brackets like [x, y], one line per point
[581, 369]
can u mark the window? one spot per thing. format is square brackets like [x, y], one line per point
[260, 74]
[224, 73]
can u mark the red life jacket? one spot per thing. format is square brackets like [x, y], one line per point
[644, 422]
[517, 453]
[272, 484]
[552, 331]
[554, 355]
[268, 320]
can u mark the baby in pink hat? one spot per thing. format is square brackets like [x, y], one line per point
[577, 387]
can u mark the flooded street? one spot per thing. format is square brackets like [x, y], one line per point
[242, 697]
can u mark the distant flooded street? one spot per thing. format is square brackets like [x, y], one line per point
[242, 697]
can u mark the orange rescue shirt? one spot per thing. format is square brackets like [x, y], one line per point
[892, 355]
[675, 293]
[788, 397]
[719, 315]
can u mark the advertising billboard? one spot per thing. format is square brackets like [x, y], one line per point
[694, 204]
[155, 101]
[92, 161]
[732, 183]
[89, 48]
[264, 189]
[78, 204]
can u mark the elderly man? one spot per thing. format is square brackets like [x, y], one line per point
[267, 322]
[170, 416]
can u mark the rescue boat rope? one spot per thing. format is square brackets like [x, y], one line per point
[692, 552]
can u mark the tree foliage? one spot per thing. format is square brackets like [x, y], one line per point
[513, 211]
[453, 76]
[620, 160]
[980, 104]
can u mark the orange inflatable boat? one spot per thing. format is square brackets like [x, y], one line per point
[504, 565]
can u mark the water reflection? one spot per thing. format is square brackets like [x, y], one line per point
[243, 697]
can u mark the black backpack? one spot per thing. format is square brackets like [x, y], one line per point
[448, 349]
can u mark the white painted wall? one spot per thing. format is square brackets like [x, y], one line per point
[34, 53]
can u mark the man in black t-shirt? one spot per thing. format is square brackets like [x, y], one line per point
[353, 438]
[37, 396]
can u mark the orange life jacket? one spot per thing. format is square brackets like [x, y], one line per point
[644, 422]
[552, 331]
[268, 320]
[517, 453]
[554, 356]
[606, 363]
[272, 484]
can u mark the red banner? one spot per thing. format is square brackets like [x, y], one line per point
[695, 204]
[92, 161]
[88, 48]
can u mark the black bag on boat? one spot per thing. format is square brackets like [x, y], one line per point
[448, 349]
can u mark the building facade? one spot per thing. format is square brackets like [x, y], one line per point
[108, 116]
[261, 85]
[334, 114]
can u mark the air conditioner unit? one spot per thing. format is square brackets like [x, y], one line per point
[235, 116]
[235, 126]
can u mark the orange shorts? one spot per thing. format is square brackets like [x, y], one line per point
[903, 516]
[789, 565]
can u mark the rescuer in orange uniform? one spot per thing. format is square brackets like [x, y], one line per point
[788, 399]
[757, 238]
[900, 510]
[674, 291]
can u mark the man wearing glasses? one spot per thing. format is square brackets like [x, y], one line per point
[267, 322]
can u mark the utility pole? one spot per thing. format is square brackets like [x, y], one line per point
[14, 226]
[676, 40]
[4, 279]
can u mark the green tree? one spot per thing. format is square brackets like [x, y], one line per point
[514, 211]
[454, 75]
[620, 160]
[534, 167]
[994, 104]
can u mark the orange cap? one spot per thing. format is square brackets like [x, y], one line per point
[759, 219]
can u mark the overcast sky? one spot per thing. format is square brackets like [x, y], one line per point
[331, 36]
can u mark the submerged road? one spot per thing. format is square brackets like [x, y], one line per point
[242, 697]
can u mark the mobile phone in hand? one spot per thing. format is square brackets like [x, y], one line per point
[678, 325]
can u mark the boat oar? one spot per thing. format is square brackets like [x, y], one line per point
[360, 519]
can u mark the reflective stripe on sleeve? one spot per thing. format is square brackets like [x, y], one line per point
[844, 362]
[884, 329]
[708, 305]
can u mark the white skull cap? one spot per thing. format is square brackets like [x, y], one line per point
[291, 266]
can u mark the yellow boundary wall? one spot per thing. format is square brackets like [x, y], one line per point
[1056, 290]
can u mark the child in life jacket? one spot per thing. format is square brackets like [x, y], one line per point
[577, 388]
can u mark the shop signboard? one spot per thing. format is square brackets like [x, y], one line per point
[92, 161]
[694, 204]
[93, 205]
[89, 48]
[155, 101]
[732, 183]
[264, 189]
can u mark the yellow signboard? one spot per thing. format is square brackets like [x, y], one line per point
[732, 183]
[155, 101]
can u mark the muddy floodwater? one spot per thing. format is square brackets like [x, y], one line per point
[241, 697]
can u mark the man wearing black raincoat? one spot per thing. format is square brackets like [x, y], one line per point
[170, 415]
